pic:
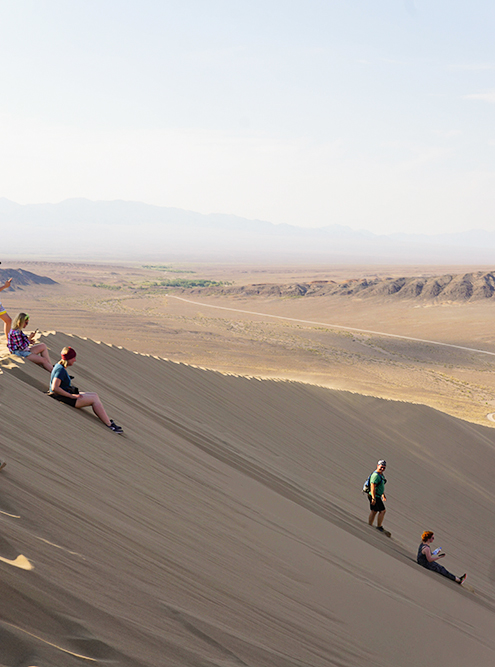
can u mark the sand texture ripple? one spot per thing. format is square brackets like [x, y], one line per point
[227, 527]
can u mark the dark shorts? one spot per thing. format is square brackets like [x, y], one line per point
[65, 399]
[378, 506]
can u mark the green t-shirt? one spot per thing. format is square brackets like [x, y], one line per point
[377, 479]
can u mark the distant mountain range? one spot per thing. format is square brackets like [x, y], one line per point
[80, 228]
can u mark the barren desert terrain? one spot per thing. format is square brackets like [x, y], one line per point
[254, 245]
[322, 339]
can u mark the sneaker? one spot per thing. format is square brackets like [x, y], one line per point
[2, 465]
[113, 427]
[381, 529]
[462, 579]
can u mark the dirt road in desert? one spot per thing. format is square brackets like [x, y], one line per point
[331, 326]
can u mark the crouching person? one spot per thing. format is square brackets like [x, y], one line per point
[62, 390]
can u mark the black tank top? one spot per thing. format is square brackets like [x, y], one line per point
[421, 558]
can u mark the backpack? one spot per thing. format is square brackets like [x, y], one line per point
[366, 485]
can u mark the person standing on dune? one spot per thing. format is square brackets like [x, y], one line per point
[376, 495]
[7, 321]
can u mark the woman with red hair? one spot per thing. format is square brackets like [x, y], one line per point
[62, 390]
[428, 559]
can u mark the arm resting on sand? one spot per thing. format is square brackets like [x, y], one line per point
[57, 389]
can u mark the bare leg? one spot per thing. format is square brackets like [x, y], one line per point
[381, 516]
[40, 348]
[87, 399]
[7, 323]
[41, 352]
[371, 517]
[40, 361]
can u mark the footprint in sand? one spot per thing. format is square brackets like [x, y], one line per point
[55, 634]
[15, 650]
[7, 509]
[10, 555]
[17, 643]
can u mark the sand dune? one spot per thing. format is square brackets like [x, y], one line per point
[227, 527]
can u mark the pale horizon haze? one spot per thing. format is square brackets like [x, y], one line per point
[376, 115]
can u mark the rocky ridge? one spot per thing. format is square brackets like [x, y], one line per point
[462, 287]
[21, 278]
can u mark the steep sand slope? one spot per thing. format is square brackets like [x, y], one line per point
[227, 526]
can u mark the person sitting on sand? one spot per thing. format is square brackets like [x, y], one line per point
[7, 321]
[62, 390]
[428, 559]
[21, 345]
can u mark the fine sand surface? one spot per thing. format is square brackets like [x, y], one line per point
[227, 526]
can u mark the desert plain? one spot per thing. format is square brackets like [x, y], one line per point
[317, 339]
[226, 526]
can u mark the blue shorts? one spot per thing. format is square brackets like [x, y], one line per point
[22, 353]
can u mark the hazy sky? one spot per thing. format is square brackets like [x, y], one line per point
[378, 114]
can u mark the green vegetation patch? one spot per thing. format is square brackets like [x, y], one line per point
[105, 286]
[185, 283]
[164, 267]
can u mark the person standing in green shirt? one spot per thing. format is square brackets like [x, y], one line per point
[376, 495]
